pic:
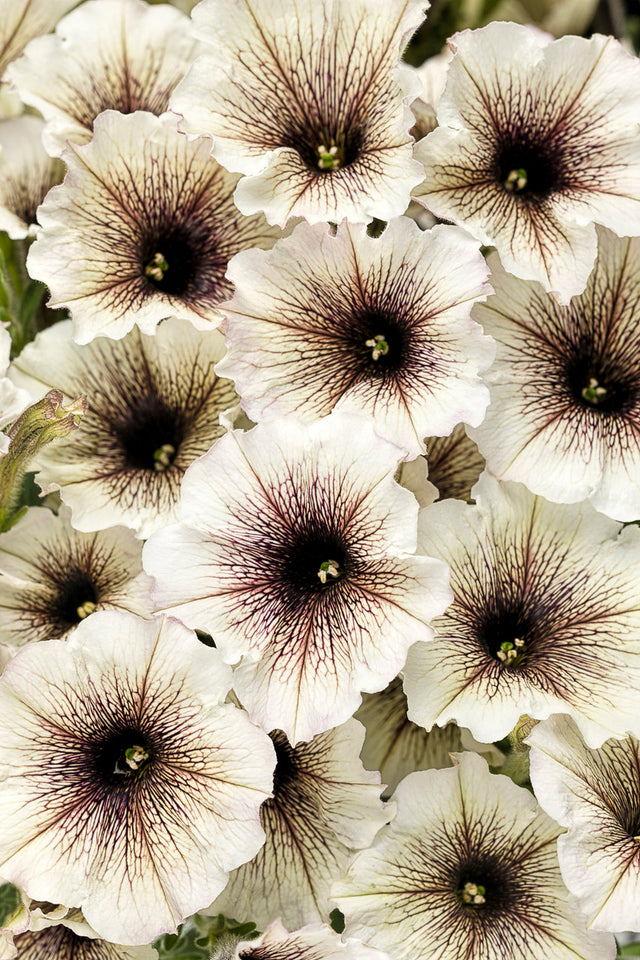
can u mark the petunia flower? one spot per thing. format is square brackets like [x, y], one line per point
[106, 55]
[141, 229]
[565, 387]
[530, 152]
[313, 942]
[21, 20]
[295, 552]
[154, 405]
[26, 174]
[546, 617]
[324, 805]
[379, 327]
[72, 939]
[52, 577]
[309, 101]
[467, 870]
[596, 795]
[131, 788]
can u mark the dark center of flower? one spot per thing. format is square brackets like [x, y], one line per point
[377, 342]
[528, 169]
[76, 599]
[286, 762]
[150, 436]
[483, 884]
[506, 635]
[123, 757]
[169, 261]
[597, 386]
[316, 562]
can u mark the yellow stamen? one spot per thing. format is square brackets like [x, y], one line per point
[85, 609]
[516, 180]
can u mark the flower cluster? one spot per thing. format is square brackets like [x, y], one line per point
[319, 484]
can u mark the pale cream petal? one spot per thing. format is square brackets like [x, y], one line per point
[141, 229]
[26, 174]
[52, 577]
[284, 84]
[479, 835]
[154, 406]
[378, 327]
[106, 55]
[595, 794]
[313, 942]
[546, 617]
[565, 387]
[325, 804]
[20, 20]
[138, 839]
[296, 550]
[537, 141]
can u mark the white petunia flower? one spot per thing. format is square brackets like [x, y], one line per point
[565, 388]
[106, 55]
[309, 101]
[26, 174]
[21, 20]
[72, 939]
[324, 805]
[131, 788]
[141, 229]
[596, 795]
[154, 405]
[546, 617]
[537, 140]
[379, 327]
[467, 870]
[313, 942]
[52, 577]
[295, 552]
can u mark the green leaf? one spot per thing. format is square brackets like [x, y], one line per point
[10, 903]
[631, 950]
[181, 946]
[31, 299]
[199, 935]
[25, 326]
[10, 252]
[4, 291]
[337, 920]
[213, 929]
[31, 495]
